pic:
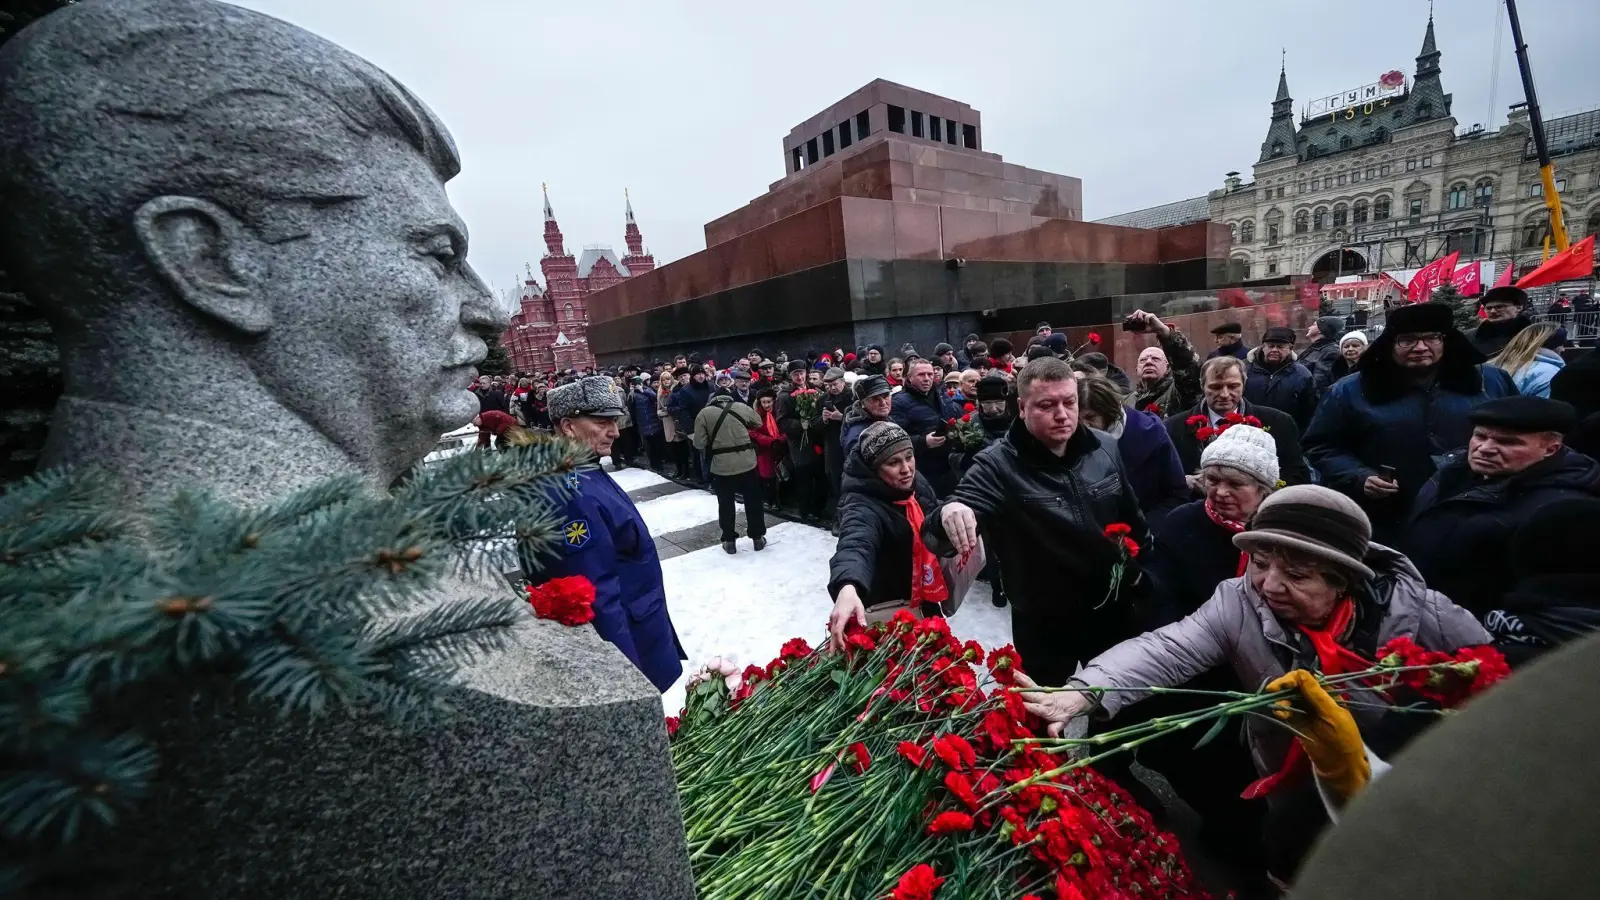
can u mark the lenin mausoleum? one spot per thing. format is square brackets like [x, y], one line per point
[894, 224]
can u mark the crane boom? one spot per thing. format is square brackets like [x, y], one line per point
[1547, 175]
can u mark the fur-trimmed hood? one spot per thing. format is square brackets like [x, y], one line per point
[1383, 380]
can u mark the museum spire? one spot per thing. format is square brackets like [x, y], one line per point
[1280, 134]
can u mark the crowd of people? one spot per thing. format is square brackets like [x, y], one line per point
[1296, 505]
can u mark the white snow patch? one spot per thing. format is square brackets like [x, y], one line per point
[632, 478]
[675, 512]
[743, 607]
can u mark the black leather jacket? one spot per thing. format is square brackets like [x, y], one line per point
[1043, 518]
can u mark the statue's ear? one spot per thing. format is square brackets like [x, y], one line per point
[203, 252]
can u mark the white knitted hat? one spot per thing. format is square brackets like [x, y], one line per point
[1246, 448]
[1357, 335]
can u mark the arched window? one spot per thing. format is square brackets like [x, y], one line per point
[1244, 267]
[1483, 193]
[1359, 212]
[1319, 219]
[569, 312]
[1458, 196]
[1593, 225]
[1233, 232]
[1302, 222]
[1534, 231]
[1277, 148]
[1340, 215]
[1247, 231]
[1380, 209]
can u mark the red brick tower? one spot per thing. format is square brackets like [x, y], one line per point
[637, 262]
[565, 337]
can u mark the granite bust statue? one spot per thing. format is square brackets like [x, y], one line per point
[240, 235]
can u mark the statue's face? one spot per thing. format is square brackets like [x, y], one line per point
[379, 292]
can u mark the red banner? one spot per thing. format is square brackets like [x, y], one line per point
[1577, 261]
[1430, 276]
[1468, 280]
[1504, 279]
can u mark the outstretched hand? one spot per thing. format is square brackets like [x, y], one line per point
[846, 607]
[1055, 707]
[1327, 733]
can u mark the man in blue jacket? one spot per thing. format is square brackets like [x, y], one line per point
[1274, 378]
[604, 539]
[920, 408]
[1378, 437]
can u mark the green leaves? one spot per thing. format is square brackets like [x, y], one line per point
[335, 597]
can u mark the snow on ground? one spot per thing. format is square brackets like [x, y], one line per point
[675, 512]
[633, 478]
[743, 607]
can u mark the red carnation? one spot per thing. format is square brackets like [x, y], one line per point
[673, 724]
[966, 417]
[956, 753]
[1153, 408]
[1205, 434]
[862, 759]
[917, 884]
[1195, 421]
[969, 406]
[569, 600]
[950, 422]
[1094, 338]
[1118, 529]
[912, 753]
[795, 648]
[1003, 664]
[950, 823]
[961, 785]
[860, 640]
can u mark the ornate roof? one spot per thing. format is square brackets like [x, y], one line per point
[593, 254]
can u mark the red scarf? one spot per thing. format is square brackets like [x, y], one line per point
[1332, 659]
[927, 576]
[1235, 527]
[770, 423]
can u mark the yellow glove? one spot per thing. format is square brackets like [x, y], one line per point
[1328, 734]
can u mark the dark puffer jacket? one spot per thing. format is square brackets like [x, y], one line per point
[1043, 519]
[1287, 386]
[1462, 526]
[874, 550]
[1319, 358]
[1491, 337]
[921, 415]
[1152, 465]
[856, 421]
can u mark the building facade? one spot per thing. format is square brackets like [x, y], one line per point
[550, 328]
[1383, 178]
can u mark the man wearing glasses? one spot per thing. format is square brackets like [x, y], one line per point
[1504, 314]
[1380, 436]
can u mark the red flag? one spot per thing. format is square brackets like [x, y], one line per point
[1469, 280]
[1447, 268]
[1505, 275]
[1577, 261]
[1422, 283]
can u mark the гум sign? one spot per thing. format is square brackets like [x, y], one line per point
[1376, 94]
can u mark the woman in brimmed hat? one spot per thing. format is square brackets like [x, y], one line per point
[1316, 594]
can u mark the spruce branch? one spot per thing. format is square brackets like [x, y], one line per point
[84, 785]
[54, 512]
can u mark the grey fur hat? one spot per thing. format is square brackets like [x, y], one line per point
[592, 396]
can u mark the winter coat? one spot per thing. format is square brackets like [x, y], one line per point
[1383, 418]
[493, 399]
[1119, 378]
[1191, 556]
[686, 403]
[805, 437]
[1236, 627]
[833, 432]
[1288, 388]
[1534, 378]
[1491, 337]
[1292, 468]
[1180, 387]
[669, 422]
[1319, 359]
[921, 415]
[1043, 519]
[604, 539]
[874, 550]
[770, 449]
[1237, 351]
[1152, 465]
[642, 405]
[723, 430]
[1461, 525]
[1544, 611]
[856, 421]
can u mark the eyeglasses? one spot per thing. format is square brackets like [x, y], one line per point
[1407, 341]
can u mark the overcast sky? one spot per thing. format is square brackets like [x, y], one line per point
[687, 103]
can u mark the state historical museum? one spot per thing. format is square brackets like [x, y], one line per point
[894, 224]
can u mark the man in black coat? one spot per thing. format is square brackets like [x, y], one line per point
[1322, 356]
[920, 408]
[1275, 378]
[1503, 316]
[836, 402]
[1042, 498]
[1465, 516]
[1230, 341]
[1222, 384]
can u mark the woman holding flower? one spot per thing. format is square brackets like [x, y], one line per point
[1316, 594]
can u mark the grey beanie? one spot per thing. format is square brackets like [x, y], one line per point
[1330, 326]
[880, 441]
[1248, 449]
[1315, 521]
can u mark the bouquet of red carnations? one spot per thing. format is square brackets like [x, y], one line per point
[888, 769]
[966, 430]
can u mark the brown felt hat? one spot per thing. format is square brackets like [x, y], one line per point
[1313, 520]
